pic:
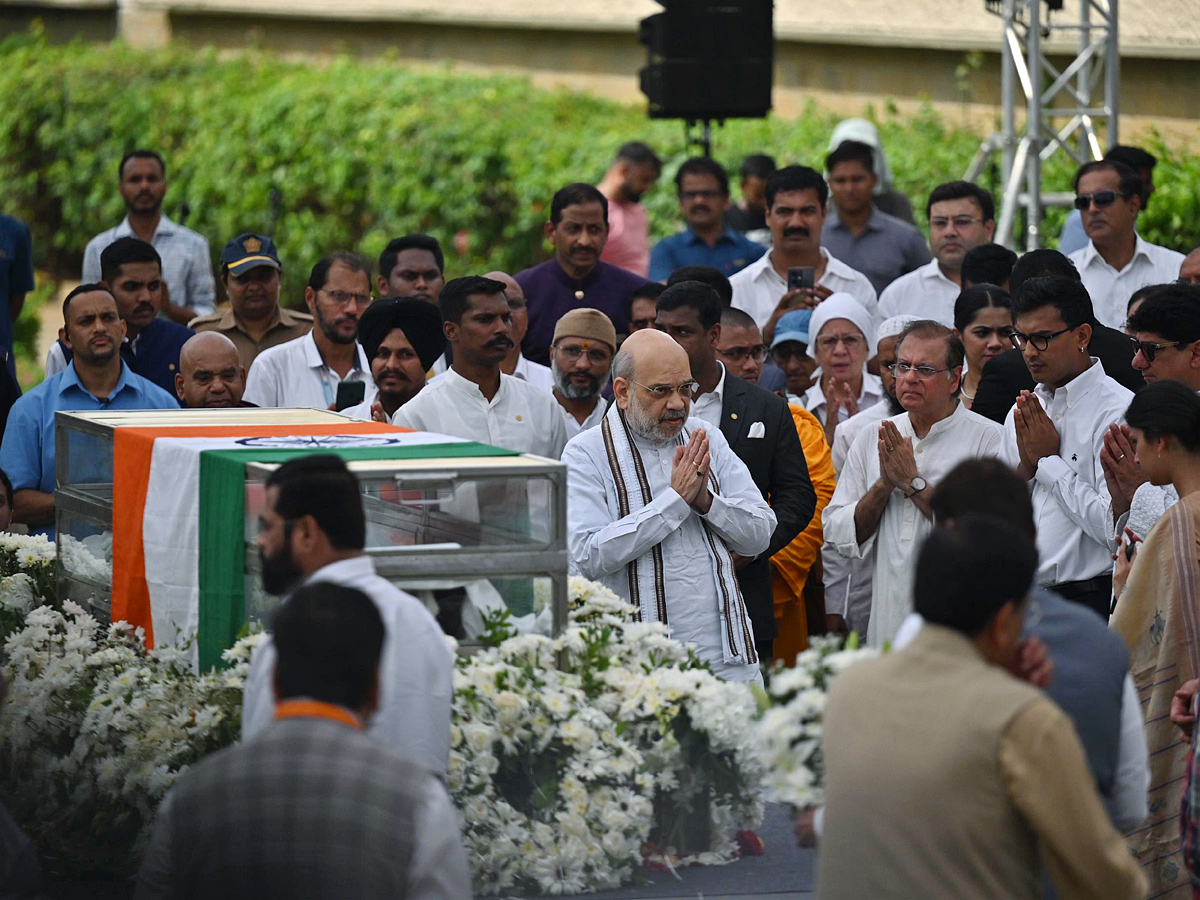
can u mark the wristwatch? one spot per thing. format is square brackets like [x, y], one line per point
[915, 486]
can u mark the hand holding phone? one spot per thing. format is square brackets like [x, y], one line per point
[801, 278]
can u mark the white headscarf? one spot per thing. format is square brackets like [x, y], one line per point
[865, 132]
[840, 306]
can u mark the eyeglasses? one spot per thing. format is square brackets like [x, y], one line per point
[341, 298]
[1102, 199]
[1039, 341]
[1150, 350]
[852, 341]
[941, 223]
[739, 354]
[900, 369]
[700, 195]
[687, 390]
[572, 352]
[783, 353]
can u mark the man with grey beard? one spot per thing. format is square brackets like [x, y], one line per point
[581, 358]
[657, 504]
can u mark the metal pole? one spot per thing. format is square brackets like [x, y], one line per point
[1033, 129]
[1083, 80]
[1112, 76]
[1008, 94]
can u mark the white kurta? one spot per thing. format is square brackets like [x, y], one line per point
[520, 417]
[415, 678]
[602, 544]
[1071, 506]
[294, 374]
[897, 539]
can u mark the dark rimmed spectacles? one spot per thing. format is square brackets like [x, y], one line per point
[739, 354]
[1149, 350]
[1039, 341]
[688, 390]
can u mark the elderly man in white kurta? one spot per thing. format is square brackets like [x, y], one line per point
[658, 504]
[882, 496]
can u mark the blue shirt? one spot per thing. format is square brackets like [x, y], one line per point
[154, 353]
[731, 253]
[16, 272]
[27, 452]
[1073, 236]
[886, 249]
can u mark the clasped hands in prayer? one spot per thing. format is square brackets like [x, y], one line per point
[1036, 435]
[689, 475]
[897, 462]
[1122, 474]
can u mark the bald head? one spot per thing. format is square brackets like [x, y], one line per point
[1190, 270]
[516, 306]
[651, 359]
[210, 375]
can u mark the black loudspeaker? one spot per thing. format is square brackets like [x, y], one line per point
[709, 59]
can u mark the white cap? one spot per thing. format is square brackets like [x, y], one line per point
[840, 306]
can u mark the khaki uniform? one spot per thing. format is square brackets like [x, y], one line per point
[287, 326]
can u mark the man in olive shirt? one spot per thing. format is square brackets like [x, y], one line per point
[250, 271]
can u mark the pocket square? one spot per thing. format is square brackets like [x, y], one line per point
[757, 430]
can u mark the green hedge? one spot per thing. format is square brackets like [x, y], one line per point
[365, 151]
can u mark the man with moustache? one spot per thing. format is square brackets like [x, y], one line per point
[796, 200]
[96, 379]
[210, 374]
[575, 276]
[516, 363]
[632, 174]
[251, 273]
[474, 399]
[312, 529]
[581, 355]
[306, 372]
[882, 500]
[187, 264]
[669, 544]
[401, 336]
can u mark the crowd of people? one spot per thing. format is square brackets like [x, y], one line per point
[798, 415]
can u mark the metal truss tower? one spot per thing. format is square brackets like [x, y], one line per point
[1065, 108]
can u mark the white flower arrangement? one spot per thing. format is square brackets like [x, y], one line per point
[89, 559]
[567, 779]
[790, 729]
[26, 577]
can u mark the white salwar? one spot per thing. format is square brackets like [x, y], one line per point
[602, 544]
[902, 528]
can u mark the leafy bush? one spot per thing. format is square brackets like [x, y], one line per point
[363, 151]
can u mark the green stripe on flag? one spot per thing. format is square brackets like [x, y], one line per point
[222, 530]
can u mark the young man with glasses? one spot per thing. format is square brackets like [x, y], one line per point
[659, 508]
[1116, 261]
[1053, 437]
[306, 372]
[961, 217]
[581, 356]
[703, 188]
[882, 500]
[760, 430]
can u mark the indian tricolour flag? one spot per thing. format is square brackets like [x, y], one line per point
[179, 516]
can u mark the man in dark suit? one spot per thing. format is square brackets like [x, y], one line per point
[1005, 376]
[312, 806]
[760, 430]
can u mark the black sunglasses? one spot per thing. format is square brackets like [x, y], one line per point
[1102, 199]
[1150, 350]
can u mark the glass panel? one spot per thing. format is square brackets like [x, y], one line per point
[89, 463]
[84, 560]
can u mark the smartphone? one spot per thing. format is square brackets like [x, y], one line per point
[350, 393]
[801, 277]
[1130, 549]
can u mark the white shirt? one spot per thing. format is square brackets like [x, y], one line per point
[869, 394]
[56, 360]
[534, 373]
[708, 405]
[1131, 779]
[593, 419]
[415, 679]
[902, 527]
[1110, 290]
[602, 544]
[186, 262]
[847, 431]
[924, 292]
[294, 375]
[758, 288]
[520, 417]
[1071, 506]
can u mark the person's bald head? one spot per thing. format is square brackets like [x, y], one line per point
[647, 360]
[516, 304]
[1190, 270]
[210, 375]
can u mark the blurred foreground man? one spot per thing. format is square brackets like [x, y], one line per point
[659, 505]
[982, 780]
[210, 374]
[312, 806]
